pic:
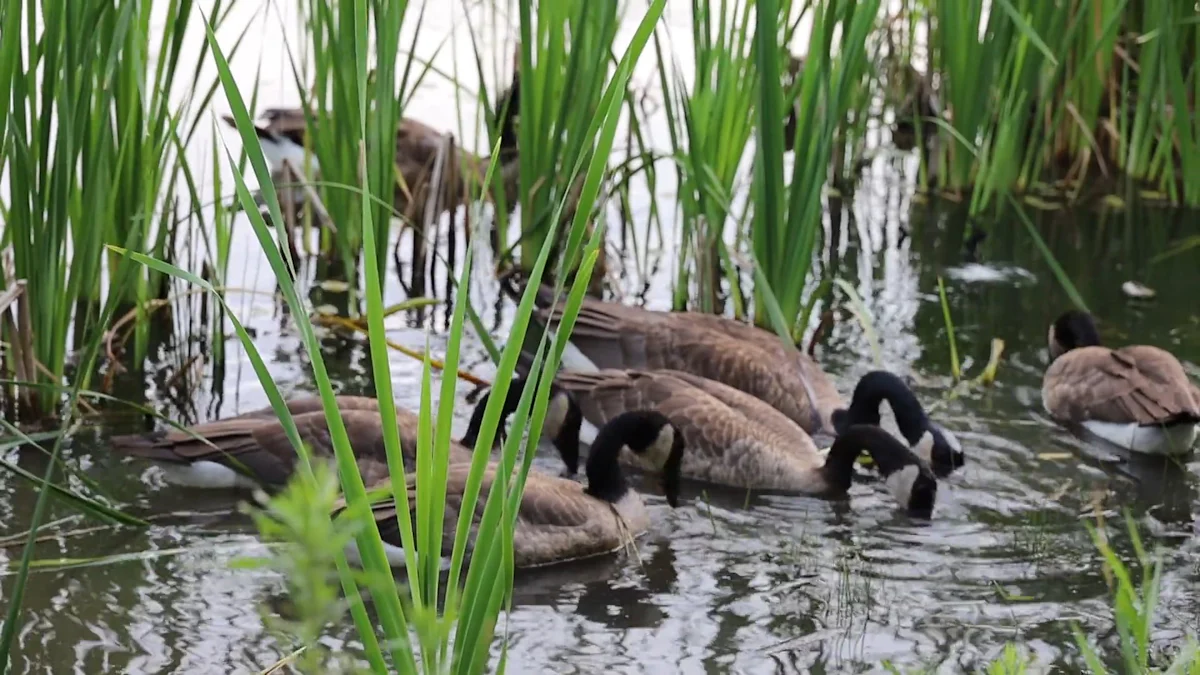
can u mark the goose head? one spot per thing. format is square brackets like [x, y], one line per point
[1071, 330]
[930, 440]
[908, 477]
[651, 437]
[562, 424]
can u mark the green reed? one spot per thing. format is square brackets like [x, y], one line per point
[1084, 90]
[565, 55]
[335, 101]
[789, 210]
[710, 128]
[90, 140]
[458, 637]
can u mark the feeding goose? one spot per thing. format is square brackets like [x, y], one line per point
[253, 450]
[559, 519]
[733, 438]
[614, 336]
[1137, 397]
[932, 442]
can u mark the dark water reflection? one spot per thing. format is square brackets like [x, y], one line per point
[785, 584]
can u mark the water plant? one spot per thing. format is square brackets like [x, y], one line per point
[90, 149]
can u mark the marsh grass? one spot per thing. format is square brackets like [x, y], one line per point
[789, 210]
[1100, 90]
[90, 150]
[566, 51]
[458, 637]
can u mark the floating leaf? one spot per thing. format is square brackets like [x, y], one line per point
[1134, 289]
[1041, 204]
[334, 286]
[1113, 202]
[1054, 456]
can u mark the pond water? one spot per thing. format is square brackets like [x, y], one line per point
[723, 583]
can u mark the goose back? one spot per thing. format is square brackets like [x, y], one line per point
[1137, 384]
[726, 443]
[614, 336]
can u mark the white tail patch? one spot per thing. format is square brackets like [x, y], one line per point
[207, 475]
[556, 414]
[900, 483]
[1174, 440]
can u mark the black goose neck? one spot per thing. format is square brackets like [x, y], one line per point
[606, 481]
[511, 401]
[889, 454]
[878, 386]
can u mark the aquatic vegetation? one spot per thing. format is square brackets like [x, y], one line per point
[91, 150]
[1040, 107]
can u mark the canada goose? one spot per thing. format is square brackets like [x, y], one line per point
[735, 439]
[559, 519]
[1137, 397]
[610, 335]
[252, 449]
[933, 442]
[418, 147]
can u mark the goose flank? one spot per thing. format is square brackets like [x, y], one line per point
[252, 449]
[609, 335]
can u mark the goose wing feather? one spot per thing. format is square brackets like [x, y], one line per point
[556, 520]
[1137, 384]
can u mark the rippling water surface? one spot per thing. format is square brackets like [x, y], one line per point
[725, 583]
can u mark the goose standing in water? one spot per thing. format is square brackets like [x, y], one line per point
[733, 438]
[930, 440]
[559, 519]
[252, 449]
[1137, 397]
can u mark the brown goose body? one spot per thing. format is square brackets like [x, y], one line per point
[732, 438]
[752, 360]
[1138, 397]
[253, 450]
[418, 148]
[558, 519]
[556, 522]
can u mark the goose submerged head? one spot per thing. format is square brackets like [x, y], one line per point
[562, 423]
[909, 478]
[1071, 330]
[652, 438]
[934, 443]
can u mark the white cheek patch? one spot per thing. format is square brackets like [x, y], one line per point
[900, 483]
[660, 450]
[556, 415]
[924, 447]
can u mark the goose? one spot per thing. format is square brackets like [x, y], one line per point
[733, 438]
[418, 146]
[559, 519]
[610, 335]
[252, 450]
[934, 443]
[1137, 397]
